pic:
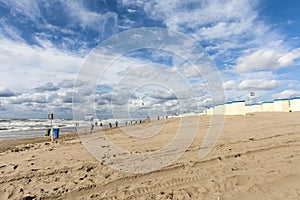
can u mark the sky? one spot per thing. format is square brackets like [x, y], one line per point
[45, 45]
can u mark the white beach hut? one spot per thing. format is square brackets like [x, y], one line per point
[295, 104]
[248, 108]
[268, 106]
[219, 109]
[209, 111]
[228, 108]
[257, 107]
[281, 105]
[215, 110]
[238, 107]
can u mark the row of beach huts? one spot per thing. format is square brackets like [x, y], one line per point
[241, 108]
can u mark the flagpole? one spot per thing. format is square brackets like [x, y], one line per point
[251, 94]
[250, 98]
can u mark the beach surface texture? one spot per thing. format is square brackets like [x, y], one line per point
[256, 157]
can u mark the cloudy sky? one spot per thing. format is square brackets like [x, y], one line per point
[44, 45]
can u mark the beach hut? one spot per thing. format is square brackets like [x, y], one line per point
[238, 108]
[295, 104]
[248, 108]
[228, 108]
[209, 111]
[219, 109]
[281, 105]
[268, 106]
[257, 107]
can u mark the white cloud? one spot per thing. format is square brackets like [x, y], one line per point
[24, 67]
[286, 94]
[291, 85]
[5, 92]
[258, 84]
[30, 98]
[29, 8]
[214, 20]
[227, 24]
[10, 31]
[267, 59]
[49, 86]
[91, 20]
[229, 85]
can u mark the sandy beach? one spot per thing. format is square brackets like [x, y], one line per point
[256, 156]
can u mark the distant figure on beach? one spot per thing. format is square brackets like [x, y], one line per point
[110, 125]
[96, 124]
[158, 118]
[76, 125]
[100, 124]
[116, 123]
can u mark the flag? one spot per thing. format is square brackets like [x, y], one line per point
[252, 94]
[50, 116]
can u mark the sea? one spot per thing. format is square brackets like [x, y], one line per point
[28, 128]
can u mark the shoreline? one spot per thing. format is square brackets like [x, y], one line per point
[12, 143]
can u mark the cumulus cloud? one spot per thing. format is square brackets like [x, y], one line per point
[113, 98]
[215, 21]
[267, 59]
[30, 98]
[286, 94]
[65, 98]
[258, 84]
[229, 85]
[71, 83]
[66, 83]
[163, 95]
[39, 64]
[5, 92]
[226, 28]
[47, 87]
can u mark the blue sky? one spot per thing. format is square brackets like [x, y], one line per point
[254, 44]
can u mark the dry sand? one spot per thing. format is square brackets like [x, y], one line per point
[256, 156]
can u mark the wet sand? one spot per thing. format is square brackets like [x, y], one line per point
[256, 156]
